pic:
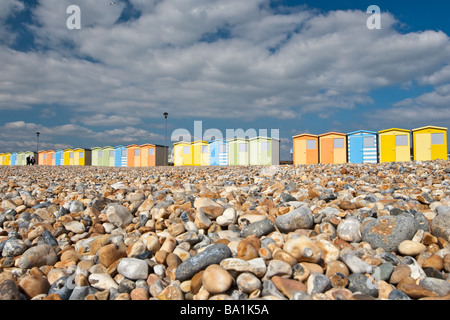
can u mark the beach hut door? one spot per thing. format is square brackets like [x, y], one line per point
[356, 150]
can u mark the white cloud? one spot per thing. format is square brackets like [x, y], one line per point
[228, 59]
[21, 136]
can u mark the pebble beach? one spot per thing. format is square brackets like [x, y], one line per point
[319, 232]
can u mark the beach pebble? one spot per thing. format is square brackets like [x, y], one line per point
[213, 254]
[133, 268]
[300, 218]
[349, 230]
[118, 215]
[411, 248]
[216, 279]
[388, 232]
[37, 256]
[247, 282]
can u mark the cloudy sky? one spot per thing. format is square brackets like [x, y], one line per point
[294, 66]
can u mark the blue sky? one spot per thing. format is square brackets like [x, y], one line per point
[295, 66]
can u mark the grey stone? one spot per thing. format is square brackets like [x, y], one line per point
[358, 282]
[258, 228]
[13, 247]
[213, 254]
[441, 287]
[118, 215]
[385, 270]
[76, 206]
[356, 264]
[440, 226]
[318, 283]
[269, 289]
[9, 290]
[63, 287]
[79, 293]
[388, 232]
[398, 295]
[300, 218]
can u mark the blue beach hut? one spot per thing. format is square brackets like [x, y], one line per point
[120, 156]
[218, 153]
[13, 158]
[59, 157]
[362, 146]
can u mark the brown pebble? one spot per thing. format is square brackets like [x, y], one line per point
[32, 286]
[288, 286]
[400, 272]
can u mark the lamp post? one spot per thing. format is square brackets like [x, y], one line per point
[165, 137]
[37, 146]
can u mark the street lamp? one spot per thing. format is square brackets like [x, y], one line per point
[37, 145]
[165, 137]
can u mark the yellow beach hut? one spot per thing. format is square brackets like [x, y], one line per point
[200, 153]
[182, 153]
[68, 157]
[430, 143]
[395, 145]
[333, 147]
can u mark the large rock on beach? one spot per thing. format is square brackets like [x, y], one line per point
[388, 232]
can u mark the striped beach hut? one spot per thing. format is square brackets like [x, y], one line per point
[108, 157]
[59, 157]
[97, 156]
[182, 153]
[120, 156]
[362, 146]
[238, 152]
[13, 159]
[333, 148]
[2, 159]
[430, 143]
[394, 145]
[218, 152]
[264, 151]
[133, 155]
[200, 153]
[306, 148]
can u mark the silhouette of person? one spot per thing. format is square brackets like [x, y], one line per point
[28, 161]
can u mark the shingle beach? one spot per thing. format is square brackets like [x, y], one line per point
[319, 232]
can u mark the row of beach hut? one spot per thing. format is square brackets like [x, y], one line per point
[146, 155]
[233, 152]
[391, 145]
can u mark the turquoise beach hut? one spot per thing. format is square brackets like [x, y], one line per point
[218, 152]
[120, 156]
[362, 146]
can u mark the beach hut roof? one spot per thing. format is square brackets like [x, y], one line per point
[330, 133]
[305, 135]
[393, 129]
[430, 127]
[361, 131]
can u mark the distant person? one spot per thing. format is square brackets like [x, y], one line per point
[28, 161]
[33, 161]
